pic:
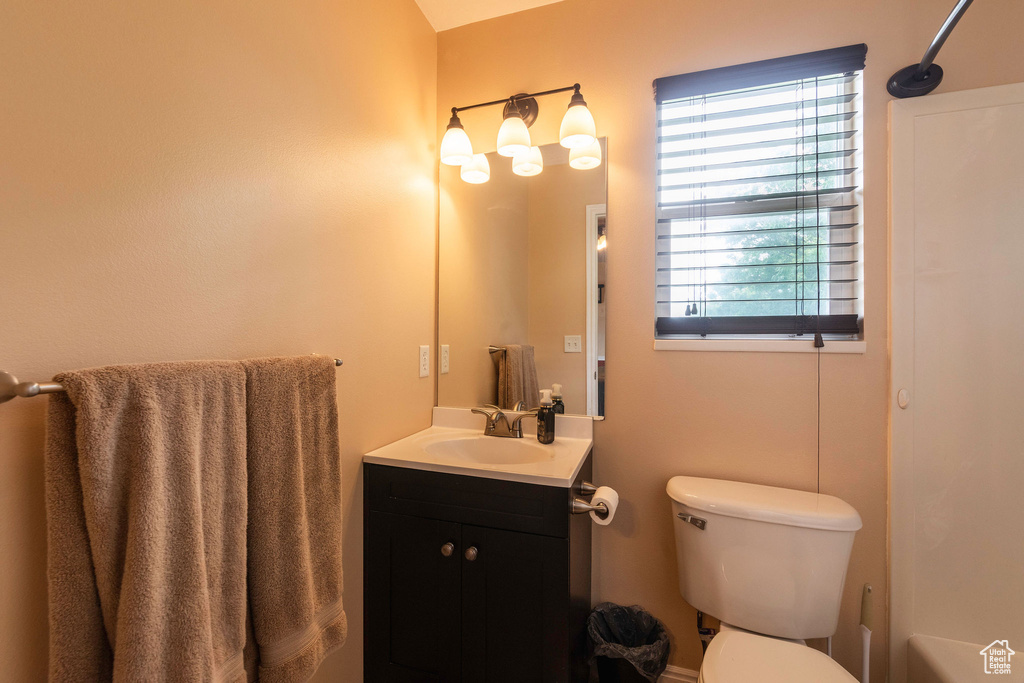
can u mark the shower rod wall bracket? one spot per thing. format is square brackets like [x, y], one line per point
[920, 79]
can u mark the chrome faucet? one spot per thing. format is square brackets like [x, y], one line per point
[498, 423]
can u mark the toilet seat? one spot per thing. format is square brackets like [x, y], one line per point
[743, 657]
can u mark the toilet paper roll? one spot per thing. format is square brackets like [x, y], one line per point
[608, 496]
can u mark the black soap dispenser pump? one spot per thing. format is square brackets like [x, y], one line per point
[545, 418]
[556, 396]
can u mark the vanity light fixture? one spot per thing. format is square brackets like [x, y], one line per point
[586, 156]
[456, 149]
[528, 163]
[513, 136]
[477, 171]
[577, 127]
[577, 130]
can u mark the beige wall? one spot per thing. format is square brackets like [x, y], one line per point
[211, 180]
[558, 275]
[746, 416]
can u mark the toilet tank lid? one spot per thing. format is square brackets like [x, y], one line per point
[764, 503]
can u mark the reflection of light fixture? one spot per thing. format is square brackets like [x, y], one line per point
[513, 137]
[577, 130]
[530, 163]
[587, 156]
[577, 127]
[477, 171]
[602, 242]
[456, 149]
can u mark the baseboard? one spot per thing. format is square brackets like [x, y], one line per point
[675, 674]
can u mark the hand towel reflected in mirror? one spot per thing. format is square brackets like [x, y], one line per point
[517, 377]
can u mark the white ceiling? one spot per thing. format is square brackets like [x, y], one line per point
[446, 14]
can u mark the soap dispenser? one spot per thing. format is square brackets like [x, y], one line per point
[556, 397]
[545, 418]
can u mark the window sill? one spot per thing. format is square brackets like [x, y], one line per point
[760, 345]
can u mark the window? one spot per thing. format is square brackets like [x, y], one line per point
[758, 199]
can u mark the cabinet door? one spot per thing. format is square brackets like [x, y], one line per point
[412, 605]
[515, 607]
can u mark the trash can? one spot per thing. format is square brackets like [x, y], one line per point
[628, 644]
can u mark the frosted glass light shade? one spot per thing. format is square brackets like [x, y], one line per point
[577, 127]
[513, 137]
[456, 149]
[587, 156]
[477, 171]
[530, 163]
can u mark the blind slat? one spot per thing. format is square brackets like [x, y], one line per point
[805, 175]
[801, 123]
[752, 231]
[831, 262]
[764, 161]
[769, 200]
[786, 247]
[806, 141]
[795, 105]
[715, 99]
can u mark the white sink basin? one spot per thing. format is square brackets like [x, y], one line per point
[455, 444]
[490, 450]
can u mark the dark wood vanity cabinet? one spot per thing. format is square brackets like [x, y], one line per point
[474, 580]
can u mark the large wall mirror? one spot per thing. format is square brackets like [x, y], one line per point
[521, 260]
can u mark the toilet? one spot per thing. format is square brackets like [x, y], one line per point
[770, 563]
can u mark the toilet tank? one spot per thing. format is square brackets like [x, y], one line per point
[768, 560]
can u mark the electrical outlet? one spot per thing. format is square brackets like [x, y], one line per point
[573, 343]
[444, 359]
[424, 361]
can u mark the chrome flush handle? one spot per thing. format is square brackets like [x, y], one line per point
[690, 519]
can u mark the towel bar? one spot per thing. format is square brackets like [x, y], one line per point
[10, 387]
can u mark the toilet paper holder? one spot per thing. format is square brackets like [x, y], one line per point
[582, 507]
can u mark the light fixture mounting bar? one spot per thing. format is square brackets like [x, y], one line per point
[574, 86]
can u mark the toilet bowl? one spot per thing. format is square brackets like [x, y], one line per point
[743, 657]
[770, 563]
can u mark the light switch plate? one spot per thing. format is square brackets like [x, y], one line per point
[573, 343]
[424, 361]
[444, 359]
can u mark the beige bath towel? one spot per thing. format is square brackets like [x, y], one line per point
[295, 576]
[517, 377]
[146, 518]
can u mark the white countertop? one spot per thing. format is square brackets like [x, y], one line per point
[555, 464]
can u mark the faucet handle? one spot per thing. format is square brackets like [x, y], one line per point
[519, 418]
[520, 405]
[486, 413]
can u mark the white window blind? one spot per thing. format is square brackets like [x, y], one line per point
[758, 216]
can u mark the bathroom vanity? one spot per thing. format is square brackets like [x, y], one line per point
[475, 569]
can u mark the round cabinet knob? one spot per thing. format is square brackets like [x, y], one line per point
[471, 553]
[447, 549]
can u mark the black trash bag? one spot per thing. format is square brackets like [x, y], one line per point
[629, 633]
